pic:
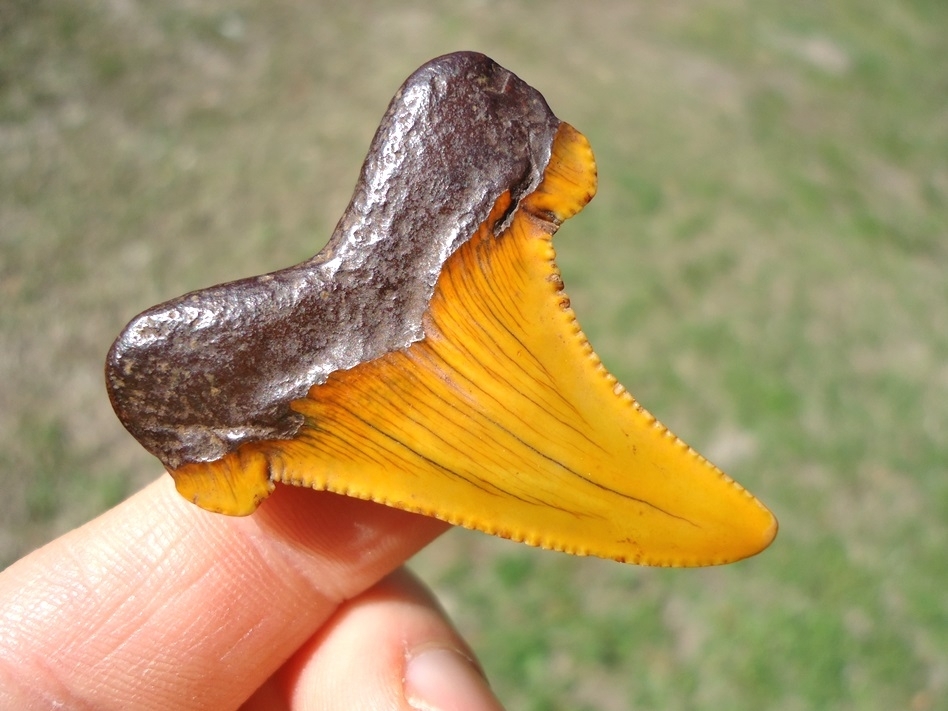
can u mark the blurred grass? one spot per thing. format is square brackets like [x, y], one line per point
[764, 268]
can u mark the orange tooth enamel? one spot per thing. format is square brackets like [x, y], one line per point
[504, 420]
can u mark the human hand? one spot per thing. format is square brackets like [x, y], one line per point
[160, 605]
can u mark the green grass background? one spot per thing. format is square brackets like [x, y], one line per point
[764, 268]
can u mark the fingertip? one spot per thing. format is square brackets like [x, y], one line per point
[445, 679]
[392, 647]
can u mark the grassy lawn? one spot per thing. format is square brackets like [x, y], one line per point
[763, 268]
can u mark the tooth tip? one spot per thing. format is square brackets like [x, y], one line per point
[770, 533]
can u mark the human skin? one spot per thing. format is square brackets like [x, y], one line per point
[158, 604]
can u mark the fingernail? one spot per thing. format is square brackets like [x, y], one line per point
[441, 679]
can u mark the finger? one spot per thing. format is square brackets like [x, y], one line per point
[158, 604]
[390, 648]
